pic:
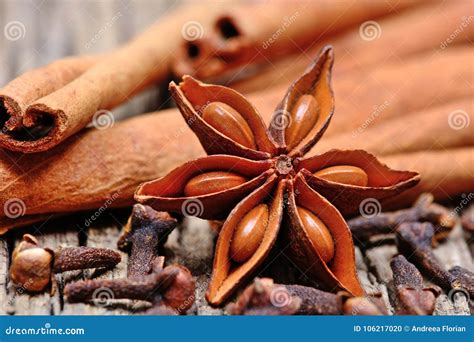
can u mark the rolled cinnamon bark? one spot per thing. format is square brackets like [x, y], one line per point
[394, 90]
[248, 35]
[99, 168]
[387, 40]
[442, 127]
[445, 173]
[43, 107]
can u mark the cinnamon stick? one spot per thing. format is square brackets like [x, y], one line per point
[395, 90]
[93, 169]
[441, 127]
[101, 168]
[389, 39]
[43, 107]
[248, 35]
[445, 173]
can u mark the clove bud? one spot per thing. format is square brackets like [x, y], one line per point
[32, 265]
[414, 242]
[172, 287]
[424, 210]
[412, 297]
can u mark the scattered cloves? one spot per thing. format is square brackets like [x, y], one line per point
[412, 297]
[32, 265]
[170, 289]
[414, 242]
[423, 210]
[263, 297]
[172, 286]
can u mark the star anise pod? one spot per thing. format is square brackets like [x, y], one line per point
[257, 178]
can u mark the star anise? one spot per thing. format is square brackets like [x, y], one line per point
[256, 177]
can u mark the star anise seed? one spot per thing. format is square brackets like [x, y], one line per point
[259, 181]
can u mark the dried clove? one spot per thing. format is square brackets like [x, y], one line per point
[363, 306]
[263, 297]
[412, 297]
[172, 287]
[414, 242]
[423, 210]
[145, 232]
[32, 265]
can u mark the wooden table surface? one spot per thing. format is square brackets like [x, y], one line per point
[52, 29]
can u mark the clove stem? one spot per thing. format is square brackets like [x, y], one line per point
[146, 288]
[414, 242]
[423, 210]
[76, 258]
[263, 297]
